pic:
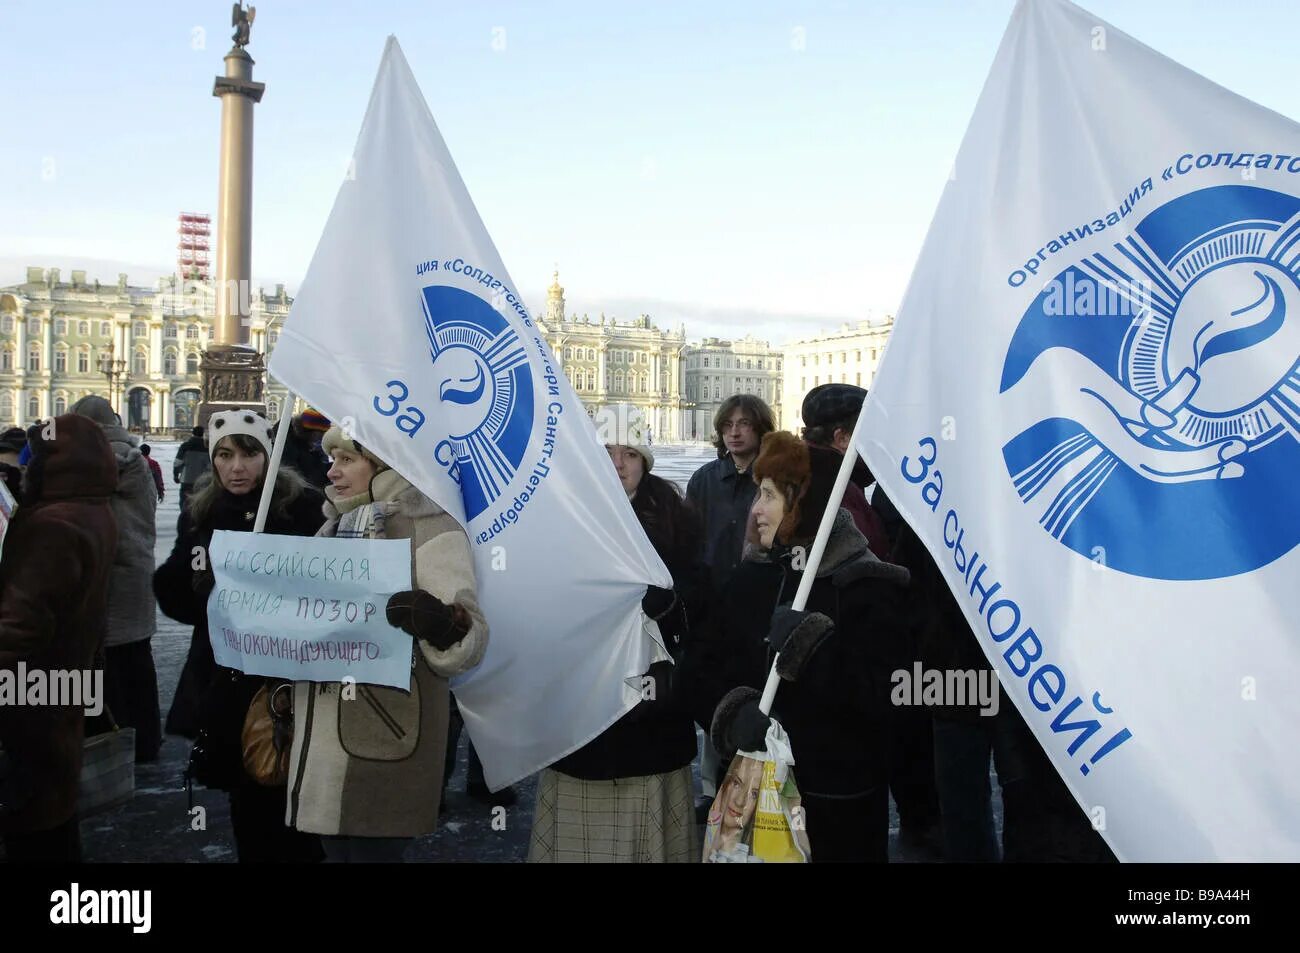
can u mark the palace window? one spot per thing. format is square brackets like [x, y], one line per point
[139, 363]
[6, 364]
[105, 329]
[60, 327]
[169, 363]
[568, 354]
[170, 331]
[60, 405]
[6, 407]
[7, 324]
[192, 333]
[33, 356]
[83, 329]
[33, 407]
[34, 326]
[61, 360]
[139, 330]
[591, 354]
[271, 338]
[191, 363]
[83, 360]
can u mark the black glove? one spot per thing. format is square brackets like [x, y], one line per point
[796, 636]
[656, 602]
[738, 725]
[424, 616]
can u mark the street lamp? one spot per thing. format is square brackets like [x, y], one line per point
[114, 372]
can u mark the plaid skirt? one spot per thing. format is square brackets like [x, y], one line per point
[628, 820]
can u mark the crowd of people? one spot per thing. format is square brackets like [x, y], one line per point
[79, 590]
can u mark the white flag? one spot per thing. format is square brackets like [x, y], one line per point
[408, 330]
[1090, 413]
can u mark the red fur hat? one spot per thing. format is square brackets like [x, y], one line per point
[805, 476]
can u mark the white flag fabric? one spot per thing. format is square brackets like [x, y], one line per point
[1090, 413]
[408, 331]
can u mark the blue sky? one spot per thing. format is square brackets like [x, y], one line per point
[763, 165]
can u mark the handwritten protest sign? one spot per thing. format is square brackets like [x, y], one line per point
[309, 609]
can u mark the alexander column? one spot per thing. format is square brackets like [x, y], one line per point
[233, 372]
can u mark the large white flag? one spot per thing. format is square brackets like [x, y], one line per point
[408, 329]
[1090, 413]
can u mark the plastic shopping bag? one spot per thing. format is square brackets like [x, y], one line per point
[756, 816]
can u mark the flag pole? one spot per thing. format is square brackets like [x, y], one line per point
[273, 466]
[815, 555]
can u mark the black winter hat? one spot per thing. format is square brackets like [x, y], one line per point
[832, 404]
[13, 440]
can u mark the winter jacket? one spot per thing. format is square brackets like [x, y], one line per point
[372, 766]
[209, 696]
[307, 458]
[721, 495]
[658, 735]
[54, 580]
[192, 461]
[942, 636]
[836, 712]
[854, 500]
[131, 613]
[156, 472]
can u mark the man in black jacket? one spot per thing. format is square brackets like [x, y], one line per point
[192, 461]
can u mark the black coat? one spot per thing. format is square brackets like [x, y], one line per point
[658, 735]
[721, 496]
[208, 696]
[836, 713]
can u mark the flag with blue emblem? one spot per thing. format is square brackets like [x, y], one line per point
[1089, 412]
[409, 332]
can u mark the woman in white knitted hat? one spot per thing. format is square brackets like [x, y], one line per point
[366, 773]
[212, 701]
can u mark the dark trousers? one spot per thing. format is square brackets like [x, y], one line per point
[474, 768]
[131, 694]
[1042, 822]
[962, 750]
[261, 836]
[58, 845]
[365, 850]
[911, 766]
[848, 830]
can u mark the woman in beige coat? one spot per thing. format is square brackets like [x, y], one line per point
[366, 772]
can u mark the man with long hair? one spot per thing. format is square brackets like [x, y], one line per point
[722, 491]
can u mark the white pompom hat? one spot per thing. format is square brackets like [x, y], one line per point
[246, 422]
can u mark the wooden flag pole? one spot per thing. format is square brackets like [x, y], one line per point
[815, 556]
[273, 465]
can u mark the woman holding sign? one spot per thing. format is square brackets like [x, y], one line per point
[211, 701]
[367, 761]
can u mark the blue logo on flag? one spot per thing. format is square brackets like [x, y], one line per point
[1166, 370]
[485, 393]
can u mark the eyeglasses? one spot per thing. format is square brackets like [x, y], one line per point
[737, 425]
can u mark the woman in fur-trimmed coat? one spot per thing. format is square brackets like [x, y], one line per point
[366, 773]
[835, 656]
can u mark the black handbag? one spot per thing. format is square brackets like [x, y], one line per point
[216, 759]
